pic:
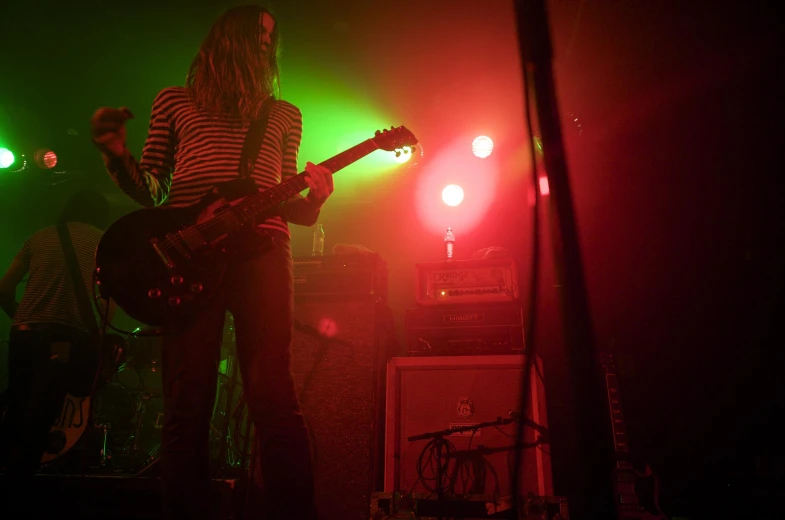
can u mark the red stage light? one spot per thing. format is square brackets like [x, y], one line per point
[482, 146]
[45, 159]
[452, 195]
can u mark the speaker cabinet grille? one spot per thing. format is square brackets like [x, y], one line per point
[432, 394]
[339, 353]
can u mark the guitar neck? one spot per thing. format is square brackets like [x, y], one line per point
[260, 202]
[618, 426]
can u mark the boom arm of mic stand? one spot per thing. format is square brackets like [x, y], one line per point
[542, 430]
[459, 429]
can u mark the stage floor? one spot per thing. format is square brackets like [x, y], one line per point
[117, 497]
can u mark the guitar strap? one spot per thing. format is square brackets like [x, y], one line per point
[83, 301]
[253, 139]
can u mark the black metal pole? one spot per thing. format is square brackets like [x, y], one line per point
[590, 493]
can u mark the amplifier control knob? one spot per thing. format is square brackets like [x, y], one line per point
[154, 293]
[177, 279]
[196, 287]
[174, 301]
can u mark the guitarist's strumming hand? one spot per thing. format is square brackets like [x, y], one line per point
[320, 183]
[108, 129]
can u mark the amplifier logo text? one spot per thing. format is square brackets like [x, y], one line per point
[464, 318]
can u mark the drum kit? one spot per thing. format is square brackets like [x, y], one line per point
[121, 435]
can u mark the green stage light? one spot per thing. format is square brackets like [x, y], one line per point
[6, 158]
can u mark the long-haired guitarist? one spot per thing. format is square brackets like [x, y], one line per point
[195, 141]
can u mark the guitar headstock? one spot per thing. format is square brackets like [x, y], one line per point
[394, 138]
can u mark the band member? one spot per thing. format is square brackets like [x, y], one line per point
[195, 138]
[51, 352]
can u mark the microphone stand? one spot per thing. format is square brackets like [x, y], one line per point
[593, 496]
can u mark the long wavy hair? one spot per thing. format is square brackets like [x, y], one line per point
[230, 74]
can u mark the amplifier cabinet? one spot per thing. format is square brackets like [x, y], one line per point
[339, 354]
[478, 330]
[432, 394]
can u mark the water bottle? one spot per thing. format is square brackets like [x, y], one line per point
[318, 240]
[449, 243]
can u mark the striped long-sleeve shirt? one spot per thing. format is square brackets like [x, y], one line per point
[189, 150]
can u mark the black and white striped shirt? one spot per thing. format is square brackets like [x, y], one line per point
[49, 296]
[188, 151]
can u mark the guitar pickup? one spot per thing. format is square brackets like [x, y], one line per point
[192, 239]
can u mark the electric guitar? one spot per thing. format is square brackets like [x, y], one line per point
[636, 493]
[163, 264]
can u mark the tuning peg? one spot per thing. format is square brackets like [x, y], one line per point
[414, 149]
[397, 153]
[392, 127]
[377, 133]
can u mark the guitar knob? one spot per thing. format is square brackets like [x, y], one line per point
[176, 279]
[154, 293]
[174, 301]
[196, 287]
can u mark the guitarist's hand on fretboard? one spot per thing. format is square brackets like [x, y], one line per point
[320, 183]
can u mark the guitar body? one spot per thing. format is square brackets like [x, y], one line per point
[636, 493]
[144, 264]
[69, 428]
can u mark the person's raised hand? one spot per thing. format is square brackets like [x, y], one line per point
[108, 130]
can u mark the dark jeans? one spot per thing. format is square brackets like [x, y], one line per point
[258, 290]
[45, 363]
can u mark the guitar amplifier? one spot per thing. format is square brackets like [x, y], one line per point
[490, 280]
[427, 395]
[490, 329]
[348, 275]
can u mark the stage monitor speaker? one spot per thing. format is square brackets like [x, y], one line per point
[339, 353]
[435, 394]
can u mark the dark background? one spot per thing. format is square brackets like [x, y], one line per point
[675, 172]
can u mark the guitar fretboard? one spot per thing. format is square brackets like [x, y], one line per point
[258, 203]
[617, 418]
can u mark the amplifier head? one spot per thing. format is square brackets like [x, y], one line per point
[491, 280]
